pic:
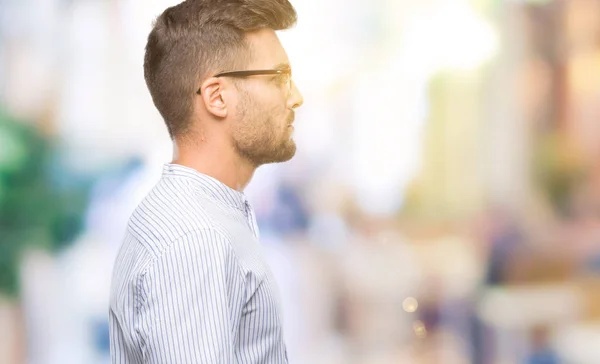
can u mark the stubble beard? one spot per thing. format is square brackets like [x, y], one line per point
[256, 137]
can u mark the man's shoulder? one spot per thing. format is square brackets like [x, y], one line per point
[167, 213]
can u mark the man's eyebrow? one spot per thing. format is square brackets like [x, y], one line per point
[283, 66]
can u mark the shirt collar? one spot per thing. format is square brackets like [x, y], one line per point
[208, 185]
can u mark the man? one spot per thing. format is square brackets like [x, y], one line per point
[189, 283]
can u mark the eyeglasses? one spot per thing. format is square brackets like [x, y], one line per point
[285, 72]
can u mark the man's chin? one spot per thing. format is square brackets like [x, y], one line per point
[284, 154]
[290, 150]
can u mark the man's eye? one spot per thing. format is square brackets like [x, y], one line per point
[282, 78]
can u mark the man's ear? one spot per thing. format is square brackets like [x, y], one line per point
[211, 92]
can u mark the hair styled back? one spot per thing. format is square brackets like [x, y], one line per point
[196, 38]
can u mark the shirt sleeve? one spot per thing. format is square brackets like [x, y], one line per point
[191, 302]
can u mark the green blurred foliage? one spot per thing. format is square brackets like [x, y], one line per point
[36, 209]
[558, 170]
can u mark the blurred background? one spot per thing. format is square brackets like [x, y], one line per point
[443, 206]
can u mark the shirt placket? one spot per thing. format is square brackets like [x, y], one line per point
[251, 218]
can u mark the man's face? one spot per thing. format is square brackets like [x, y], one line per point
[262, 129]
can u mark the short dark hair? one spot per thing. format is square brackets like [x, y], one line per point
[196, 37]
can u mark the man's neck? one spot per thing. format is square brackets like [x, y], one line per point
[223, 165]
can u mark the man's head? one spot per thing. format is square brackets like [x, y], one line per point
[195, 42]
